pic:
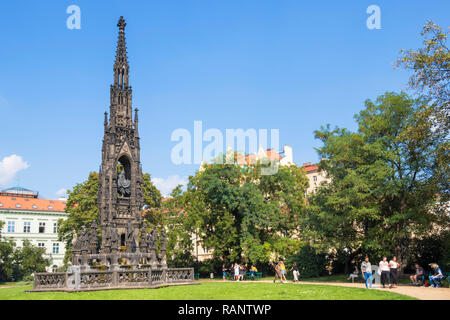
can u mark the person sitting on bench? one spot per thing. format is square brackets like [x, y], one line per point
[434, 279]
[417, 278]
[354, 274]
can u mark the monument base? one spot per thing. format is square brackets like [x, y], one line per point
[76, 280]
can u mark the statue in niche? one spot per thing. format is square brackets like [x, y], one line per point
[93, 238]
[123, 184]
[163, 240]
[84, 238]
[107, 237]
[130, 231]
[114, 238]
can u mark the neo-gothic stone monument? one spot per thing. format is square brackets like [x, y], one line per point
[127, 255]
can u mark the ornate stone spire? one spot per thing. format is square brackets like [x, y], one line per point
[121, 104]
[121, 67]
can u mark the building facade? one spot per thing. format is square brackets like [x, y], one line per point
[315, 176]
[27, 217]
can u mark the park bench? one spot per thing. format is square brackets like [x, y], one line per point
[258, 275]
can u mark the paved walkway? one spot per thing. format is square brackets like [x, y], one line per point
[421, 293]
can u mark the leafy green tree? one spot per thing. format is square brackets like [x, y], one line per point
[431, 68]
[18, 263]
[6, 260]
[171, 218]
[237, 211]
[82, 208]
[384, 180]
[28, 259]
[431, 76]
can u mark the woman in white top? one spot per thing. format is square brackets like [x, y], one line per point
[236, 272]
[393, 265]
[385, 272]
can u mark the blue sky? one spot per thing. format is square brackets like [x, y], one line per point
[288, 65]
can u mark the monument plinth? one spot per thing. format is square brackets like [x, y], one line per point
[127, 255]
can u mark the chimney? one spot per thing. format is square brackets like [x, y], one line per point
[287, 150]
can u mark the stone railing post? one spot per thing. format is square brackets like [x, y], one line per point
[150, 277]
[115, 278]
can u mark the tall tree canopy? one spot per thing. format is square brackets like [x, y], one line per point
[237, 210]
[431, 77]
[384, 179]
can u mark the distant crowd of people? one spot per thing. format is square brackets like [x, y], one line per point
[239, 271]
[389, 273]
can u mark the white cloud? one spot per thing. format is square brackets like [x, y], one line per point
[10, 166]
[167, 185]
[61, 193]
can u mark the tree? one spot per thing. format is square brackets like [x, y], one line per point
[18, 263]
[384, 180]
[29, 259]
[6, 260]
[236, 211]
[82, 208]
[431, 76]
[171, 218]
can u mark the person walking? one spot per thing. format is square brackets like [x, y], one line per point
[385, 272]
[283, 271]
[295, 272]
[437, 276]
[393, 270]
[224, 272]
[366, 269]
[241, 272]
[277, 271]
[236, 272]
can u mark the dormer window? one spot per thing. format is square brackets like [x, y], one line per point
[18, 205]
[50, 207]
[34, 206]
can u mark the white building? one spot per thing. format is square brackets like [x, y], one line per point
[28, 217]
[315, 176]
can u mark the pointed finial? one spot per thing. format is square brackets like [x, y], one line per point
[121, 24]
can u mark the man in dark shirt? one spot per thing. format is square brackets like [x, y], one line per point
[418, 277]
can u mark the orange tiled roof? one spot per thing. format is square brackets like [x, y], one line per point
[32, 204]
[308, 167]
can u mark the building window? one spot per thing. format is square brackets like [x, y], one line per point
[50, 208]
[18, 205]
[315, 178]
[55, 227]
[1, 204]
[11, 226]
[41, 227]
[26, 227]
[41, 244]
[55, 248]
[34, 206]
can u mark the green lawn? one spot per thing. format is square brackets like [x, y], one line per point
[212, 291]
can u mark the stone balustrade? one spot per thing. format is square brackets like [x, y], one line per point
[77, 280]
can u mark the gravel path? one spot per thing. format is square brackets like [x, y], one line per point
[421, 293]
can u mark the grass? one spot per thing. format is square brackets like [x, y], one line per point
[212, 291]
